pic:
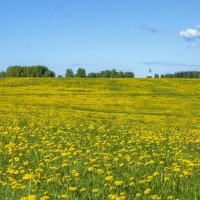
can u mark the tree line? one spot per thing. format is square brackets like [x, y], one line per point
[43, 71]
[27, 71]
[102, 74]
[182, 74]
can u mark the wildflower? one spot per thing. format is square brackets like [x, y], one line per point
[30, 197]
[108, 178]
[138, 195]
[112, 196]
[95, 190]
[28, 176]
[161, 162]
[64, 196]
[100, 171]
[147, 191]
[131, 183]
[17, 159]
[72, 188]
[25, 163]
[90, 169]
[82, 190]
[119, 182]
[155, 173]
[155, 197]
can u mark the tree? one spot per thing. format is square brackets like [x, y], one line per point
[120, 74]
[156, 76]
[182, 74]
[114, 73]
[111, 74]
[69, 73]
[106, 74]
[81, 73]
[49, 73]
[2, 74]
[92, 75]
[29, 71]
[129, 75]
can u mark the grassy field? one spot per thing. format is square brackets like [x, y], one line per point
[99, 139]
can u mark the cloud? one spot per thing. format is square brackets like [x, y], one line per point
[191, 33]
[154, 63]
[149, 29]
[169, 64]
[193, 46]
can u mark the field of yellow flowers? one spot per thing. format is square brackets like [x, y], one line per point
[99, 139]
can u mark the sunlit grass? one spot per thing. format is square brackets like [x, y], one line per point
[99, 139]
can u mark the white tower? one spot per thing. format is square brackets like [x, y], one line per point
[150, 75]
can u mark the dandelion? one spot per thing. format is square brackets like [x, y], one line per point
[64, 196]
[30, 197]
[119, 182]
[147, 191]
[72, 188]
[90, 169]
[155, 197]
[138, 195]
[83, 190]
[108, 178]
[95, 190]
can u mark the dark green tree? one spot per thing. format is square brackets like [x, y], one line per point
[129, 75]
[120, 74]
[2, 74]
[29, 71]
[49, 73]
[92, 75]
[69, 73]
[156, 76]
[182, 74]
[81, 73]
[114, 73]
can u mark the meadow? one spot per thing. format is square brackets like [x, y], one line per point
[99, 139]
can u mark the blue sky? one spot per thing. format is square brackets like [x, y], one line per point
[128, 35]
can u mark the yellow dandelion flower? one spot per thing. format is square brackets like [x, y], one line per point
[108, 178]
[83, 190]
[90, 169]
[147, 191]
[95, 190]
[72, 188]
[119, 182]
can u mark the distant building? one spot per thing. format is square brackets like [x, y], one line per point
[149, 74]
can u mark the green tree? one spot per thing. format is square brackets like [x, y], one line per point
[92, 75]
[2, 74]
[49, 73]
[29, 71]
[114, 73]
[69, 73]
[129, 75]
[121, 74]
[156, 76]
[81, 73]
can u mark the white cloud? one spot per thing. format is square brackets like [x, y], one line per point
[190, 33]
[193, 46]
